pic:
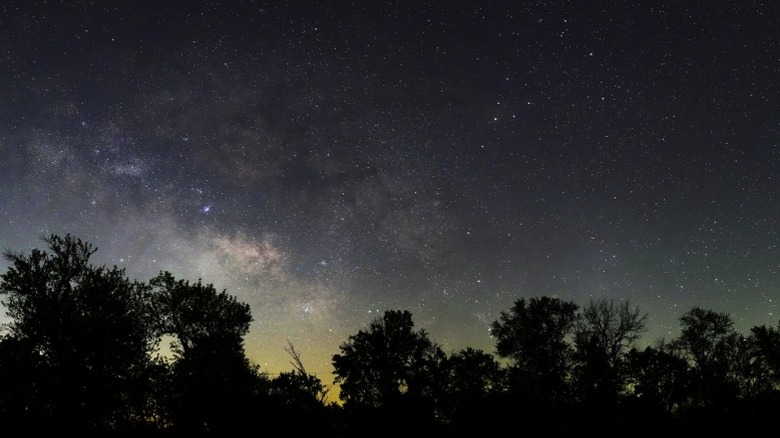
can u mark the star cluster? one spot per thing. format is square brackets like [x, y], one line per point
[327, 161]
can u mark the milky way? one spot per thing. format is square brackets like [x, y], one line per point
[327, 161]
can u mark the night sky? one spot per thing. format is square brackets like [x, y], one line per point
[327, 161]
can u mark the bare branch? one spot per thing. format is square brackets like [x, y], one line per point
[297, 363]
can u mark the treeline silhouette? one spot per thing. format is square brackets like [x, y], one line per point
[82, 355]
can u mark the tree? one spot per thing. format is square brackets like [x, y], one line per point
[79, 335]
[603, 335]
[708, 340]
[472, 379]
[472, 374]
[389, 367]
[211, 376]
[760, 368]
[658, 378]
[533, 334]
[198, 316]
[298, 387]
[297, 394]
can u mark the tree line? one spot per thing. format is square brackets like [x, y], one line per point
[82, 354]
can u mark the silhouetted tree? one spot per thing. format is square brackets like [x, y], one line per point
[212, 379]
[657, 378]
[78, 343]
[472, 382]
[298, 401]
[79, 355]
[472, 374]
[533, 334]
[758, 370]
[603, 335]
[760, 366]
[389, 369]
[299, 389]
[708, 340]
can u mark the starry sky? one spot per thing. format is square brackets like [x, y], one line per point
[327, 161]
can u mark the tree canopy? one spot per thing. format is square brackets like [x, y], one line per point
[533, 334]
[385, 361]
[80, 354]
[82, 340]
[80, 334]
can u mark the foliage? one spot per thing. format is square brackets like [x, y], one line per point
[211, 376]
[603, 335]
[658, 378]
[200, 318]
[712, 346]
[760, 366]
[385, 361]
[471, 379]
[79, 355]
[80, 333]
[533, 334]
